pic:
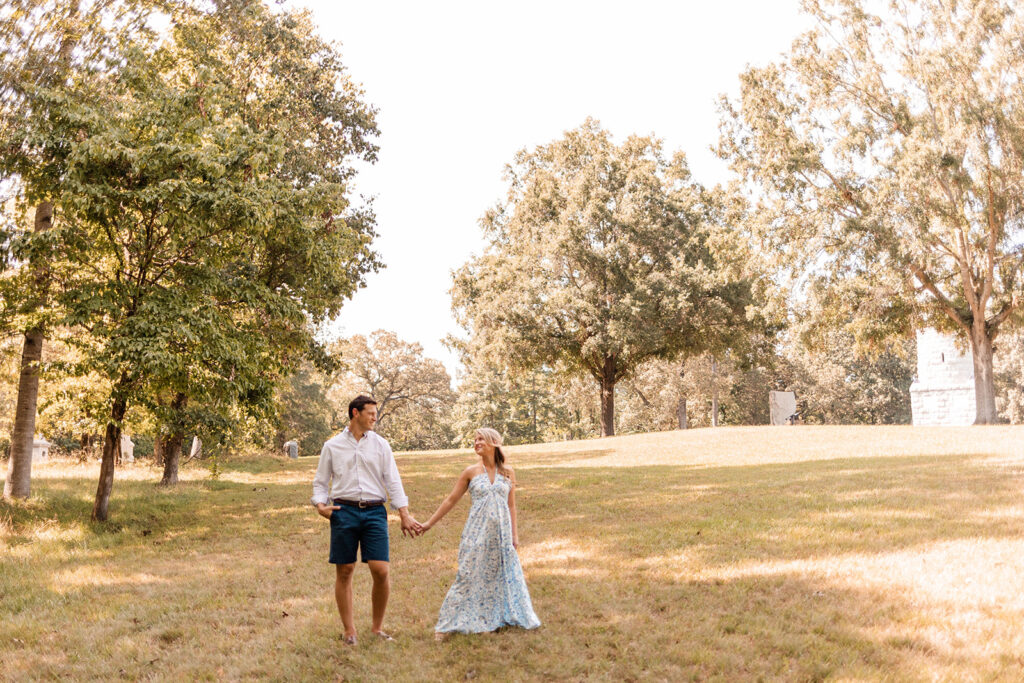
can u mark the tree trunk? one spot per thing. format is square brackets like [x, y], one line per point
[158, 452]
[19, 474]
[19, 468]
[171, 444]
[172, 456]
[984, 380]
[608, 397]
[714, 392]
[681, 412]
[111, 446]
[533, 407]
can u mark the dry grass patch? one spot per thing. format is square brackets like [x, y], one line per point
[731, 554]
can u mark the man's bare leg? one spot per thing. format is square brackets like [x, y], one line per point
[343, 596]
[379, 570]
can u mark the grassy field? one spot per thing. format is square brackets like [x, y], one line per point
[805, 553]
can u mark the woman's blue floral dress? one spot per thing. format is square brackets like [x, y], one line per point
[489, 589]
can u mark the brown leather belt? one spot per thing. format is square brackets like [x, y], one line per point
[358, 503]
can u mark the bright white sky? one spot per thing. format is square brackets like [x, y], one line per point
[461, 86]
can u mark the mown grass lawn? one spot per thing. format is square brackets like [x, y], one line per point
[804, 553]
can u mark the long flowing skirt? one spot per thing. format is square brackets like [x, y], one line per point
[489, 590]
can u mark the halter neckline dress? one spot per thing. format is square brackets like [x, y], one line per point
[489, 590]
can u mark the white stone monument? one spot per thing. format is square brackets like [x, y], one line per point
[292, 449]
[197, 448]
[127, 448]
[40, 449]
[781, 406]
[943, 391]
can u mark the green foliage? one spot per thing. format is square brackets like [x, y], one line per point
[197, 237]
[884, 154]
[304, 413]
[413, 393]
[836, 384]
[204, 221]
[600, 258]
[143, 445]
[1009, 364]
[524, 406]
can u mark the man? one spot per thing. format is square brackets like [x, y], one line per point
[356, 473]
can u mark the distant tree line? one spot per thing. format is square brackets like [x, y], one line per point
[426, 409]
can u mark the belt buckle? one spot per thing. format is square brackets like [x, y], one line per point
[362, 504]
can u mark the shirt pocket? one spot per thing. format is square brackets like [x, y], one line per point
[343, 464]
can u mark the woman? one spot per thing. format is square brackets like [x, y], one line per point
[489, 590]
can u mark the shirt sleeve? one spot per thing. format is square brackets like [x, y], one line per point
[392, 480]
[322, 480]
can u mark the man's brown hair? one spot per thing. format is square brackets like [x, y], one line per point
[358, 403]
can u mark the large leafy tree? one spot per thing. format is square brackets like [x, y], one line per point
[413, 392]
[599, 258]
[42, 42]
[205, 190]
[886, 155]
[525, 406]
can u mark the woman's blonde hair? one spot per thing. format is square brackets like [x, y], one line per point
[492, 438]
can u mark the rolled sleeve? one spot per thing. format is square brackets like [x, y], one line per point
[322, 480]
[392, 480]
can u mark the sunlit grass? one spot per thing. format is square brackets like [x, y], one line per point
[776, 553]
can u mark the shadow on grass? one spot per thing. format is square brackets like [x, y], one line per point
[779, 511]
[229, 580]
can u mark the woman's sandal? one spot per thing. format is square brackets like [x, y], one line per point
[348, 640]
[441, 636]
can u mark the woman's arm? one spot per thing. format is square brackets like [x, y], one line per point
[461, 486]
[512, 508]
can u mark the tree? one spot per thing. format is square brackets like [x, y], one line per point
[413, 392]
[304, 412]
[38, 66]
[525, 406]
[1009, 367]
[729, 387]
[207, 215]
[835, 383]
[886, 153]
[599, 259]
[19, 471]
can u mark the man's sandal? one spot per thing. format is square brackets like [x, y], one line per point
[348, 640]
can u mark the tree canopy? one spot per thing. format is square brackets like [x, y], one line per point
[599, 258]
[204, 213]
[885, 157]
[413, 393]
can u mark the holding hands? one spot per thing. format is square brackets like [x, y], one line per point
[410, 526]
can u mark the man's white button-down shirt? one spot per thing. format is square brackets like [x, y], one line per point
[358, 470]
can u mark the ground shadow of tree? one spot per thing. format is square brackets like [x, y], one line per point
[229, 580]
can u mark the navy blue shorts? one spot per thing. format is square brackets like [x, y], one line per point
[365, 528]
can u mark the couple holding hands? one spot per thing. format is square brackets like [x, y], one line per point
[357, 474]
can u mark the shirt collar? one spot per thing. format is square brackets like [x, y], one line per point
[347, 433]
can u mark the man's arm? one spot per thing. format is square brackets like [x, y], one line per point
[396, 492]
[322, 485]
